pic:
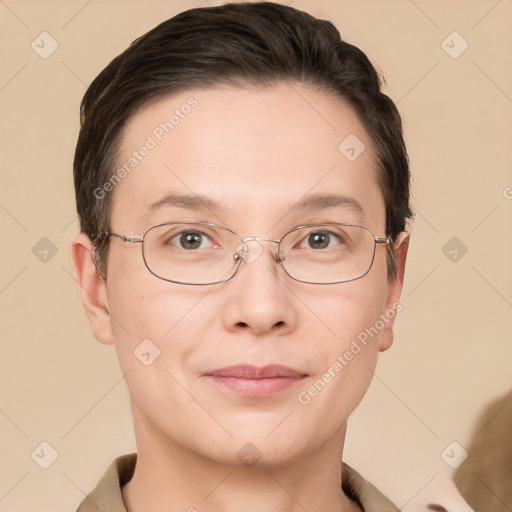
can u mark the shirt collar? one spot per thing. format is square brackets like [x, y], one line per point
[107, 496]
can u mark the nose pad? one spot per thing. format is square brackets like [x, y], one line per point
[249, 253]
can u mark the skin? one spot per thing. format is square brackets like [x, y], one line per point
[256, 152]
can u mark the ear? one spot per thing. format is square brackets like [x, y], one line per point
[92, 288]
[394, 290]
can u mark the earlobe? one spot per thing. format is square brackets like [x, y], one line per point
[393, 306]
[385, 338]
[92, 288]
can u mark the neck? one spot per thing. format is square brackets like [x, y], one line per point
[168, 474]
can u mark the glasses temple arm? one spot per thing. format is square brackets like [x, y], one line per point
[132, 239]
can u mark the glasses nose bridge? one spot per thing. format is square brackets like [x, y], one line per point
[249, 238]
[260, 239]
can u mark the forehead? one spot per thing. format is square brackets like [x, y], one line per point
[244, 152]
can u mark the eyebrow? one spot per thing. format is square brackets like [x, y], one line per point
[186, 201]
[201, 202]
[326, 201]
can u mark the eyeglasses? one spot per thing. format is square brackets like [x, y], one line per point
[200, 253]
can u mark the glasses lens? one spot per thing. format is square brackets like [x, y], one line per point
[329, 253]
[191, 253]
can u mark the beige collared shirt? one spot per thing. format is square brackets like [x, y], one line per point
[107, 496]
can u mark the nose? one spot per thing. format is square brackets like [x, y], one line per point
[260, 300]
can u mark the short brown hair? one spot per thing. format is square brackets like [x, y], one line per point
[261, 44]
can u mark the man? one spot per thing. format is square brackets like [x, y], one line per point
[243, 191]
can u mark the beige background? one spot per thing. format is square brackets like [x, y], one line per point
[452, 351]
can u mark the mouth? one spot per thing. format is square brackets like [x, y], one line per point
[253, 381]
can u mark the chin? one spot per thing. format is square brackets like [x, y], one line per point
[256, 447]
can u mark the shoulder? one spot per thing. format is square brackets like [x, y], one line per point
[107, 496]
[367, 496]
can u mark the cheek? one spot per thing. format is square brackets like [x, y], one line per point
[141, 304]
[342, 378]
[349, 309]
[155, 330]
[149, 315]
[354, 352]
[346, 354]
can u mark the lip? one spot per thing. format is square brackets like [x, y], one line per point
[253, 381]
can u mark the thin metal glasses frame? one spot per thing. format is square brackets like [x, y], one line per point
[239, 258]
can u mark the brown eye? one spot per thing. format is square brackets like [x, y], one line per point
[191, 240]
[319, 240]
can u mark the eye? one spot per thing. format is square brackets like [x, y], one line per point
[320, 240]
[190, 240]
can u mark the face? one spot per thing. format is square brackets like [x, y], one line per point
[255, 154]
